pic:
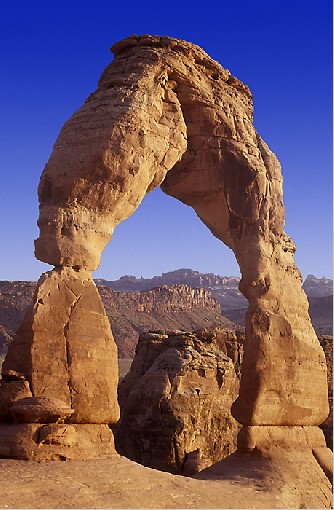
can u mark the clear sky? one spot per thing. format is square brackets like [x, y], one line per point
[52, 56]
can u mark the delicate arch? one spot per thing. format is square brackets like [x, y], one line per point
[165, 112]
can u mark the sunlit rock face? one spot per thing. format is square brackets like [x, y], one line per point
[61, 368]
[165, 113]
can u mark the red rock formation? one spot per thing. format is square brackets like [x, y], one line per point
[176, 401]
[167, 299]
[166, 113]
[63, 357]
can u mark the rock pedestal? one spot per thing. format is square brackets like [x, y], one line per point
[59, 379]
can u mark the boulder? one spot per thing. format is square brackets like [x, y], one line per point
[175, 403]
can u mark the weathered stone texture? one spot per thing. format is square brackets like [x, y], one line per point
[65, 349]
[176, 400]
[166, 113]
[53, 441]
[61, 367]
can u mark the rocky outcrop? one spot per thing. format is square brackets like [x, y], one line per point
[60, 368]
[169, 399]
[176, 400]
[166, 114]
[326, 342]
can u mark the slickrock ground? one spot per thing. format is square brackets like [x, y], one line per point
[120, 483]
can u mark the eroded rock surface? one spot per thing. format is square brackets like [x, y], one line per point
[65, 347]
[61, 365]
[176, 401]
[165, 113]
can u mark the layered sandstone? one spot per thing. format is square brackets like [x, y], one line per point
[166, 114]
[60, 368]
[162, 308]
[176, 401]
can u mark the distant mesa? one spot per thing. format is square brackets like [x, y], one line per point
[318, 287]
[139, 306]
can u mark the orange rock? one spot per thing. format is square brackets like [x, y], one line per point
[166, 114]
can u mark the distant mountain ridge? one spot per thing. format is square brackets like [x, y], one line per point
[318, 287]
[226, 291]
[181, 299]
[224, 288]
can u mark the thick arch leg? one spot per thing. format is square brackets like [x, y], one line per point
[60, 376]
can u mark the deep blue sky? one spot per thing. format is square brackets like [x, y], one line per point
[52, 56]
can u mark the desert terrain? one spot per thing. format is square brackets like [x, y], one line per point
[209, 414]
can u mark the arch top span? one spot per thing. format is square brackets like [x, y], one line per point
[161, 105]
[165, 113]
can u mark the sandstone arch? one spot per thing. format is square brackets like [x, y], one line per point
[166, 114]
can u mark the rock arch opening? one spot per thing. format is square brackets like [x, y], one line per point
[164, 235]
[166, 114]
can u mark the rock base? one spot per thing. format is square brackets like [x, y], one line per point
[51, 441]
[293, 476]
[292, 439]
[267, 437]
